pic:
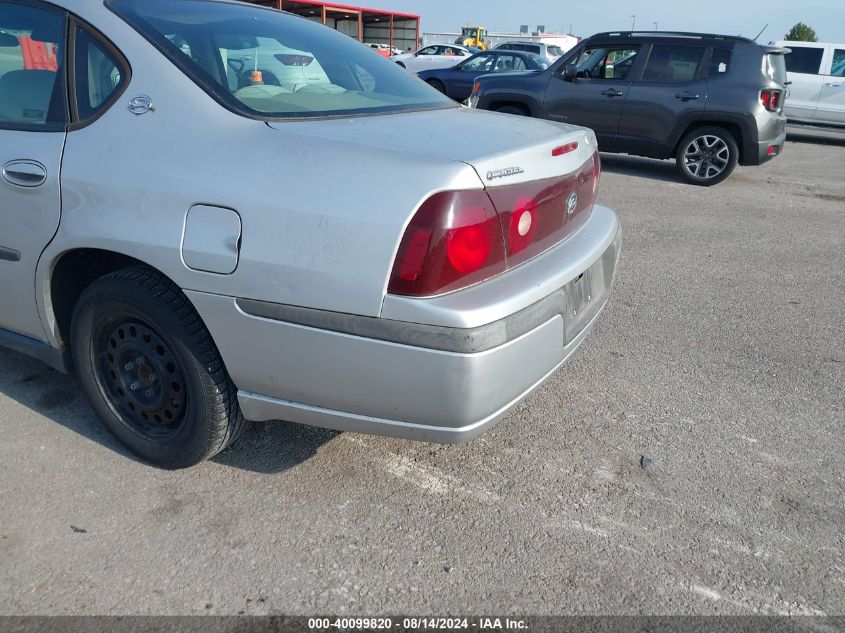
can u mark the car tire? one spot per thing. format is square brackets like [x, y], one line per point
[512, 109]
[151, 370]
[707, 155]
[437, 85]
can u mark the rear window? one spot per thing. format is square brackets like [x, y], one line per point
[673, 63]
[720, 61]
[804, 59]
[557, 51]
[774, 67]
[268, 64]
[838, 69]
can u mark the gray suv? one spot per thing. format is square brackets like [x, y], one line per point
[709, 101]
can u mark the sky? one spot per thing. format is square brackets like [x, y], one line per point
[736, 17]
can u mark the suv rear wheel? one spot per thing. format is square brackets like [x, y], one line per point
[151, 369]
[707, 155]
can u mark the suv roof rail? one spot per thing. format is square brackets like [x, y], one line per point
[702, 36]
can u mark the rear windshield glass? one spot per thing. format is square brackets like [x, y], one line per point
[268, 64]
[774, 65]
[555, 50]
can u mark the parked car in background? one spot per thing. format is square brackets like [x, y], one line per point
[255, 269]
[457, 82]
[434, 56]
[709, 101]
[550, 51]
[816, 73]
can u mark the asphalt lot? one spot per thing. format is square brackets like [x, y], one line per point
[721, 359]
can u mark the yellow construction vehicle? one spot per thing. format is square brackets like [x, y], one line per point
[475, 36]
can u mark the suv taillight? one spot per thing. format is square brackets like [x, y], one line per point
[459, 238]
[772, 100]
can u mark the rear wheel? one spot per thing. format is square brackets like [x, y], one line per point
[151, 370]
[437, 85]
[707, 156]
[512, 109]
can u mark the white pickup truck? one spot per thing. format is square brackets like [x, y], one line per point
[817, 92]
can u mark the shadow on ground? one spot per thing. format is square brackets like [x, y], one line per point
[819, 136]
[267, 448]
[640, 167]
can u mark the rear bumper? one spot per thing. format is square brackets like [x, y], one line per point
[419, 379]
[776, 143]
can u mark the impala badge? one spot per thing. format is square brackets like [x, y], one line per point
[504, 173]
[141, 105]
[571, 203]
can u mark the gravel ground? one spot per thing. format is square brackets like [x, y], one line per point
[718, 365]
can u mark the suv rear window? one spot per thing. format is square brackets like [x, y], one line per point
[673, 63]
[720, 61]
[268, 64]
[804, 59]
[774, 66]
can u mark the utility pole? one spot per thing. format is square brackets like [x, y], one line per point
[633, 22]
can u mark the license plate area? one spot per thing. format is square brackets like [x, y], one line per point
[585, 296]
[580, 293]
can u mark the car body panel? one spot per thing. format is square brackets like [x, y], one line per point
[281, 369]
[29, 217]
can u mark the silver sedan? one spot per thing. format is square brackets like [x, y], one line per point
[214, 212]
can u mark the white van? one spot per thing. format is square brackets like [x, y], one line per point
[817, 92]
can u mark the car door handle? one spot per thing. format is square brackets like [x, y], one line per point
[24, 173]
[832, 84]
[612, 92]
[687, 96]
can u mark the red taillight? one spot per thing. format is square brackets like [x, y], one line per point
[547, 201]
[458, 238]
[564, 149]
[771, 99]
[468, 247]
[453, 241]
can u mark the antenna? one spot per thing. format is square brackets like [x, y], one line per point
[761, 32]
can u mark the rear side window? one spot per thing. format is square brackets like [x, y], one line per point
[555, 50]
[673, 63]
[838, 69]
[31, 50]
[509, 63]
[804, 60]
[99, 75]
[720, 61]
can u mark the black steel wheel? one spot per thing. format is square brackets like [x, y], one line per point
[139, 374]
[151, 369]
